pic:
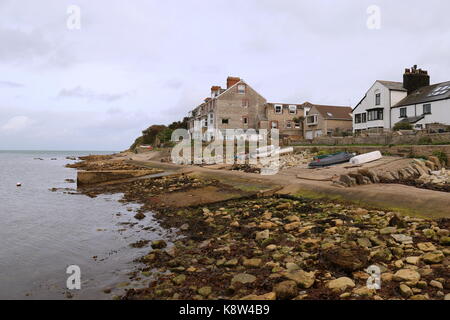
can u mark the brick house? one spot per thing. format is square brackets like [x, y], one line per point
[326, 120]
[239, 106]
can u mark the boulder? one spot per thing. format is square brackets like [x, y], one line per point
[426, 246]
[407, 275]
[346, 259]
[286, 290]
[304, 280]
[340, 284]
[243, 278]
[433, 257]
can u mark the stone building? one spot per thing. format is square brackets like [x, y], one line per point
[327, 120]
[239, 106]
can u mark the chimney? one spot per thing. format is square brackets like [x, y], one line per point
[215, 91]
[231, 81]
[414, 79]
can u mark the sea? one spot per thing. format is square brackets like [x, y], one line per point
[46, 226]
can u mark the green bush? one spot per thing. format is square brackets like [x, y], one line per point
[425, 140]
[442, 156]
[402, 126]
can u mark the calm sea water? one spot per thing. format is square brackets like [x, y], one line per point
[42, 232]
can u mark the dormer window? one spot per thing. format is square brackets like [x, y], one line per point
[292, 109]
[241, 88]
[278, 109]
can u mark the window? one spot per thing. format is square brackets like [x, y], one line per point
[403, 113]
[376, 114]
[364, 117]
[427, 108]
[288, 125]
[358, 118]
[278, 109]
[241, 88]
[225, 121]
[439, 91]
[378, 99]
[311, 120]
[292, 109]
[297, 125]
[245, 103]
[245, 120]
[274, 124]
[205, 122]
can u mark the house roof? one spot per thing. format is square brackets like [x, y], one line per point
[393, 85]
[427, 94]
[332, 112]
[412, 120]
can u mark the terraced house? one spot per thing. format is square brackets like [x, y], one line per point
[413, 101]
[239, 106]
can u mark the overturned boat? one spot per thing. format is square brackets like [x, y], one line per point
[332, 159]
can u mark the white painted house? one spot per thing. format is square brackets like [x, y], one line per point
[414, 101]
[427, 105]
[374, 110]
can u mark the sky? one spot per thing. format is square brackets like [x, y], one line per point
[131, 64]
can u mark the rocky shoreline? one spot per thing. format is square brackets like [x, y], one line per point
[282, 247]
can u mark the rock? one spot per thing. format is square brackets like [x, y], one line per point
[388, 230]
[271, 247]
[340, 284]
[286, 290]
[401, 238]
[347, 180]
[159, 244]
[304, 280]
[420, 297]
[433, 257]
[265, 297]
[184, 227]
[407, 275]
[179, 279]
[363, 292]
[139, 216]
[447, 296]
[370, 174]
[399, 264]
[243, 278]
[204, 291]
[426, 246]
[445, 241]
[364, 242]
[436, 284]
[292, 267]
[429, 233]
[231, 263]
[292, 226]
[346, 259]
[361, 212]
[382, 254]
[436, 162]
[405, 291]
[263, 235]
[413, 260]
[252, 263]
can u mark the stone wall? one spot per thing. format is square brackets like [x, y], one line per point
[403, 151]
[385, 139]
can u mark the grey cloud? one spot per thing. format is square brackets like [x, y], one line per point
[10, 84]
[88, 94]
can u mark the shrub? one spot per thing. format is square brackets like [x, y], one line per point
[425, 140]
[442, 156]
[402, 126]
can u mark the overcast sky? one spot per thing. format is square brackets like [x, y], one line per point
[142, 62]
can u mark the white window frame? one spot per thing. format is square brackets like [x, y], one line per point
[278, 106]
[241, 88]
[315, 117]
[292, 109]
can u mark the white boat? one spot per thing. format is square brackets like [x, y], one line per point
[366, 158]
